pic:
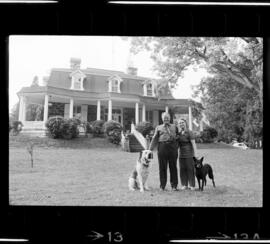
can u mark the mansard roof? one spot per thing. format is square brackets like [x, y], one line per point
[102, 72]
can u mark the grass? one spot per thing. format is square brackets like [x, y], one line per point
[92, 172]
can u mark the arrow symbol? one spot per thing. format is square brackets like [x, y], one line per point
[95, 235]
[224, 236]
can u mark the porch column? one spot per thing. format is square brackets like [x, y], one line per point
[110, 110]
[143, 113]
[46, 109]
[71, 104]
[189, 117]
[137, 113]
[21, 108]
[98, 110]
[167, 109]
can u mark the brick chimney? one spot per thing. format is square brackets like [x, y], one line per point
[75, 63]
[131, 69]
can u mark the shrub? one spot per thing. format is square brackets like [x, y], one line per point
[144, 128]
[15, 127]
[69, 128]
[113, 131]
[208, 134]
[58, 127]
[53, 125]
[98, 128]
[198, 138]
[88, 126]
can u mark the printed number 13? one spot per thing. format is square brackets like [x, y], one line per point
[115, 237]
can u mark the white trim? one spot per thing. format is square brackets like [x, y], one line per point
[24, 109]
[81, 77]
[71, 104]
[46, 109]
[143, 112]
[98, 110]
[144, 89]
[136, 113]
[110, 110]
[110, 86]
[114, 78]
[145, 93]
[21, 108]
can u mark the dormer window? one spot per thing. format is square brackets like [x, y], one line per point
[148, 89]
[114, 83]
[115, 86]
[77, 78]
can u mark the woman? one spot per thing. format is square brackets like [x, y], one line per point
[188, 150]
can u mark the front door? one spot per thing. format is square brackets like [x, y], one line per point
[116, 115]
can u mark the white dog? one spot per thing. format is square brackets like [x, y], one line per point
[138, 178]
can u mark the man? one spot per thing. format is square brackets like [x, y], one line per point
[165, 138]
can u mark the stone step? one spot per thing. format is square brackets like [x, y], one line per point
[34, 132]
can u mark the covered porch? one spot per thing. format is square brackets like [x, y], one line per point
[123, 110]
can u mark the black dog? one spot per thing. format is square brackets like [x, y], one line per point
[202, 170]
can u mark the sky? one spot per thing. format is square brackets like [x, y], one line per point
[31, 56]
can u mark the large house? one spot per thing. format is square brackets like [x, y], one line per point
[97, 94]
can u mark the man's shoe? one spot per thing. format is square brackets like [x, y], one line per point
[174, 189]
[184, 187]
[192, 188]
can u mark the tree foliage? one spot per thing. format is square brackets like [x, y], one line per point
[238, 59]
[14, 114]
[233, 110]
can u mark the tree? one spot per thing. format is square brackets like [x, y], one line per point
[238, 59]
[14, 114]
[235, 112]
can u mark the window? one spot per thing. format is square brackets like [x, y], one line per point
[114, 85]
[77, 83]
[77, 78]
[77, 110]
[149, 88]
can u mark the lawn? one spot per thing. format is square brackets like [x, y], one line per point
[92, 172]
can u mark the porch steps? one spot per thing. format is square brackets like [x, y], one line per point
[134, 145]
[34, 132]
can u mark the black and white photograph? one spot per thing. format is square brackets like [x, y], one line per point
[135, 121]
